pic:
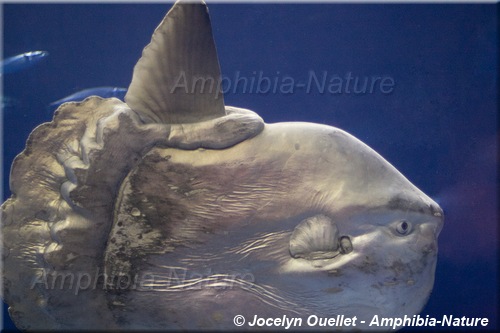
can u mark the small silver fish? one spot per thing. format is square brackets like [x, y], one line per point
[104, 92]
[22, 61]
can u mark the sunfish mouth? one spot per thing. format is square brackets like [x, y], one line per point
[318, 237]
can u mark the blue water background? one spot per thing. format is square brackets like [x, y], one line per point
[438, 126]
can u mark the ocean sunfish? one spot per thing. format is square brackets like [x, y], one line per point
[175, 211]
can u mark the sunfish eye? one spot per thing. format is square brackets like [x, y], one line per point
[403, 227]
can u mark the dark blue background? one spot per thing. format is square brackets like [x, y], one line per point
[438, 126]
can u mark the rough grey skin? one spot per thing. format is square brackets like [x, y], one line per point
[175, 211]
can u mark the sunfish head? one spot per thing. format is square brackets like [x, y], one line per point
[365, 241]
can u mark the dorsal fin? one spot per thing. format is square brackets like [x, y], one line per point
[177, 79]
